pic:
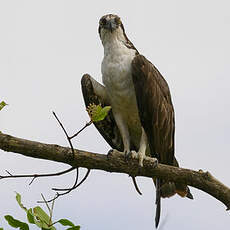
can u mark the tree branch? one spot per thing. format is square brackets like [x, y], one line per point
[116, 163]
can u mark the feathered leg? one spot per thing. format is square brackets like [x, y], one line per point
[142, 148]
[124, 132]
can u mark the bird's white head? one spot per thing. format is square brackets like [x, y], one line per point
[110, 25]
[111, 29]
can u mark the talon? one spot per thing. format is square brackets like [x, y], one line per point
[109, 154]
[127, 155]
[130, 155]
[155, 163]
[133, 154]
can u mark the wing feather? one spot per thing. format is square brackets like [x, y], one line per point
[157, 118]
[155, 108]
[94, 93]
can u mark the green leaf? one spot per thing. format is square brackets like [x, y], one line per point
[41, 214]
[74, 228]
[104, 112]
[16, 223]
[65, 222]
[19, 199]
[1, 228]
[42, 219]
[38, 223]
[97, 113]
[2, 104]
[30, 216]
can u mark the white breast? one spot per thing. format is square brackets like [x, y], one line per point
[116, 73]
[117, 78]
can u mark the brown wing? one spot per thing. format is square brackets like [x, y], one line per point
[157, 118]
[94, 93]
[155, 109]
[107, 128]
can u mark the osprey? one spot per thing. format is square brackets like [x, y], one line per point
[142, 117]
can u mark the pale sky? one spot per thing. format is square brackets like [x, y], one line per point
[45, 48]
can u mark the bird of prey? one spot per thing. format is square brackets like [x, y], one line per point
[142, 117]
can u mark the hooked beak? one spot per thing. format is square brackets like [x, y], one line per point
[110, 25]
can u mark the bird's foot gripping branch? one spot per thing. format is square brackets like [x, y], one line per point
[197, 179]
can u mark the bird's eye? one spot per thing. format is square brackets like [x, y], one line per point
[102, 21]
[118, 21]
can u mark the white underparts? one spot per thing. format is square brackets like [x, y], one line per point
[117, 78]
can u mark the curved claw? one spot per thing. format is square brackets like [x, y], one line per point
[109, 154]
[127, 155]
[155, 162]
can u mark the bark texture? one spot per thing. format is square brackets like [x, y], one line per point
[116, 163]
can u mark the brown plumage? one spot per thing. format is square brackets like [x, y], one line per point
[107, 127]
[149, 97]
[155, 109]
[157, 117]
[153, 124]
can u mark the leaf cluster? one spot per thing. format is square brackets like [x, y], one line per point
[97, 113]
[37, 216]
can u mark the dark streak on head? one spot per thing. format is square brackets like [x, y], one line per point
[116, 23]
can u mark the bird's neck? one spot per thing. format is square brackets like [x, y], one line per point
[114, 42]
[114, 46]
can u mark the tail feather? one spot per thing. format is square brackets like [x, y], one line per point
[189, 194]
[158, 202]
[167, 189]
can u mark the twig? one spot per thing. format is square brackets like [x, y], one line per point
[51, 213]
[136, 186]
[64, 193]
[64, 189]
[86, 125]
[59, 173]
[71, 145]
[67, 136]
[49, 209]
[36, 175]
